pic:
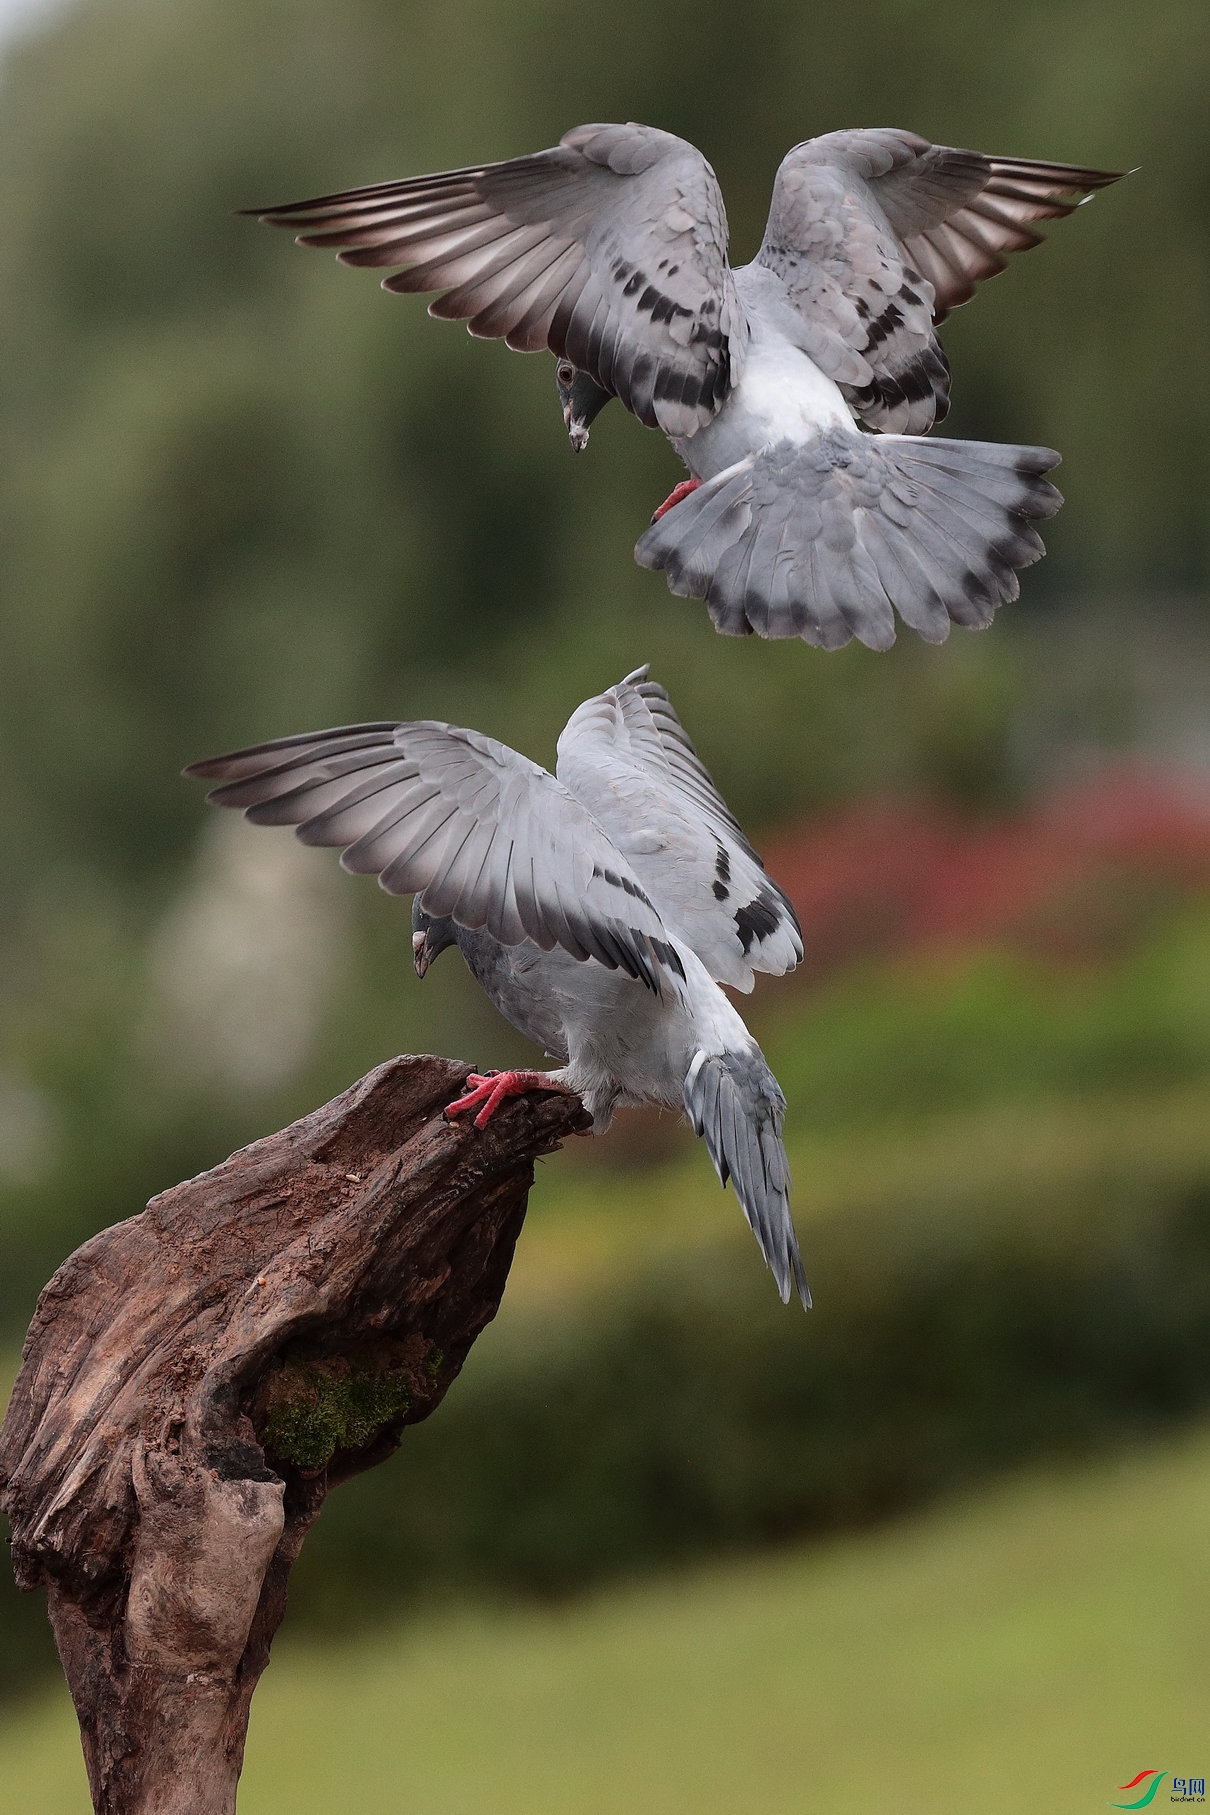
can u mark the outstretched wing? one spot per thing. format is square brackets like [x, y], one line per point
[610, 249]
[477, 831]
[626, 755]
[959, 214]
[877, 234]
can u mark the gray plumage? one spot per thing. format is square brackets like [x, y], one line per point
[610, 249]
[735, 1104]
[599, 907]
[876, 235]
[830, 539]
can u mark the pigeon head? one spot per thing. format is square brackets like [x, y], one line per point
[430, 936]
[582, 399]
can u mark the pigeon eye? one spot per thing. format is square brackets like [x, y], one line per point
[566, 374]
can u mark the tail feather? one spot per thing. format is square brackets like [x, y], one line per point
[832, 539]
[721, 522]
[735, 1104]
[901, 578]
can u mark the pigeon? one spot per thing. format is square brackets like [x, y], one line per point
[610, 250]
[600, 908]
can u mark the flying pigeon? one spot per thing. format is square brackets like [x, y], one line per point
[600, 908]
[610, 249]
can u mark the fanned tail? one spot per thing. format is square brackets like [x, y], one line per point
[830, 539]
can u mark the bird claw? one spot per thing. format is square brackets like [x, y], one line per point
[674, 497]
[490, 1088]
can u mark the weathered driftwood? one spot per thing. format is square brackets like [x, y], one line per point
[196, 1379]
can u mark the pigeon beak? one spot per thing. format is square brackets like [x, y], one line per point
[421, 956]
[577, 434]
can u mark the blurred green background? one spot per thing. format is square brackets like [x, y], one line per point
[667, 1546]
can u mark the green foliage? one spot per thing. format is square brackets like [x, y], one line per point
[1004, 1198]
[892, 1044]
[243, 492]
[315, 1408]
[684, 1410]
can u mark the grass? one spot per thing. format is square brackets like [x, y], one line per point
[1027, 1648]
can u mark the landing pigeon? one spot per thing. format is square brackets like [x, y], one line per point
[610, 249]
[599, 907]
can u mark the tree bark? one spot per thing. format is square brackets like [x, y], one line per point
[197, 1378]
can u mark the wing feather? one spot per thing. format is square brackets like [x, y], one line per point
[877, 234]
[610, 249]
[477, 831]
[627, 757]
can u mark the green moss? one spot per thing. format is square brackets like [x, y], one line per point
[316, 1408]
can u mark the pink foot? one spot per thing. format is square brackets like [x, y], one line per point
[675, 495]
[490, 1089]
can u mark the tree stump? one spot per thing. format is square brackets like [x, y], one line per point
[196, 1379]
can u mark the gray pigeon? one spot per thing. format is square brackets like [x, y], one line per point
[600, 908]
[610, 249]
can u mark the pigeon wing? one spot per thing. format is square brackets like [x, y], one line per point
[477, 831]
[877, 234]
[626, 756]
[610, 249]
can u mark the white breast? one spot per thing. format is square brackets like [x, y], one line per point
[781, 396]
